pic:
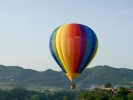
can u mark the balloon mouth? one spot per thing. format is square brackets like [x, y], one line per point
[71, 76]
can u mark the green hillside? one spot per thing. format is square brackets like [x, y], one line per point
[11, 76]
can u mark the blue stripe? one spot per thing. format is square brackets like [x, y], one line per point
[92, 49]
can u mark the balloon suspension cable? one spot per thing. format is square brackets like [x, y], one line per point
[73, 86]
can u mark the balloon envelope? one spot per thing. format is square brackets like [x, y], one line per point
[73, 46]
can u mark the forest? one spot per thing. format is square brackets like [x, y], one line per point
[96, 94]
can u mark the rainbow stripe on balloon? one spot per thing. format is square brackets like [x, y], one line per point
[73, 46]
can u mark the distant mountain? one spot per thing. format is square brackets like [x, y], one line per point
[102, 74]
[11, 76]
[47, 78]
[8, 73]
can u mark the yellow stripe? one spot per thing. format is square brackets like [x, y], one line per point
[64, 47]
[54, 48]
[59, 49]
[71, 76]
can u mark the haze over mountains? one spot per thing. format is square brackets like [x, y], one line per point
[12, 76]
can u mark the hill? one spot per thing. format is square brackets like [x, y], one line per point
[12, 76]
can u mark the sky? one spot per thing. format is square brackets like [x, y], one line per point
[26, 26]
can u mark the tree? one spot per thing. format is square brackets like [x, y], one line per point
[66, 98]
[118, 97]
[123, 91]
[130, 96]
[35, 97]
[107, 85]
[94, 95]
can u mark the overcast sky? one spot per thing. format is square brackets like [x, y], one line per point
[26, 26]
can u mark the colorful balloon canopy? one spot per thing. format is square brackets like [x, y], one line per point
[73, 46]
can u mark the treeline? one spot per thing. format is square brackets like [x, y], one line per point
[108, 94]
[23, 94]
[96, 94]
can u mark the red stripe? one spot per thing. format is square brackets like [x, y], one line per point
[70, 48]
[77, 44]
[73, 46]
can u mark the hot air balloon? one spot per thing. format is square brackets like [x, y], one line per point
[73, 46]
